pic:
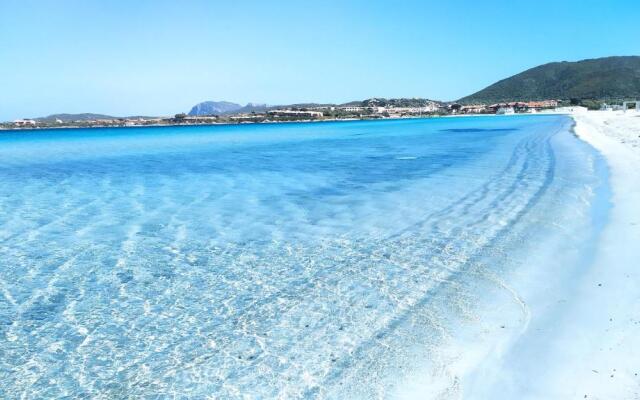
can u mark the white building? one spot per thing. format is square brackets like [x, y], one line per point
[505, 111]
[351, 108]
[24, 122]
[296, 113]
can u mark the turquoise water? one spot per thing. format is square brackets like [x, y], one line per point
[289, 260]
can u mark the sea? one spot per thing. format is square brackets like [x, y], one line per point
[331, 260]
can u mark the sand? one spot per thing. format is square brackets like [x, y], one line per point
[601, 339]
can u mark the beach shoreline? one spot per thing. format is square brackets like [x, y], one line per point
[605, 314]
[174, 125]
[597, 351]
[581, 338]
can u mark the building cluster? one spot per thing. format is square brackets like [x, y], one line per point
[324, 112]
[310, 114]
[503, 108]
[388, 111]
[24, 122]
[625, 106]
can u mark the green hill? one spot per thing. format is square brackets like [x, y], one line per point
[599, 79]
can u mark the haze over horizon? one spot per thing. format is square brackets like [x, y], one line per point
[159, 58]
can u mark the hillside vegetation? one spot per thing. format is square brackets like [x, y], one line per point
[600, 79]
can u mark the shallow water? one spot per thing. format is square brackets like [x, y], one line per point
[291, 260]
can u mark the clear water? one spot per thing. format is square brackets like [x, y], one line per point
[266, 261]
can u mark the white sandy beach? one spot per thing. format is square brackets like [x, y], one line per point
[596, 355]
[594, 350]
[605, 333]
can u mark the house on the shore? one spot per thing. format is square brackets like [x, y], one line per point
[539, 105]
[24, 122]
[351, 108]
[474, 109]
[509, 108]
[454, 108]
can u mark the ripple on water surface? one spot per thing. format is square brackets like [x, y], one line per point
[267, 261]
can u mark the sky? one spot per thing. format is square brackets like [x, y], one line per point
[161, 57]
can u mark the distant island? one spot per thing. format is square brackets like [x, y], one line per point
[594, 84]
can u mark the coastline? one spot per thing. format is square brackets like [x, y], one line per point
[580, 338]
[595, 351]
[32, 129]
[301, 121]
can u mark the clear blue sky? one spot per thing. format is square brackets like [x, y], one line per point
[161, 57]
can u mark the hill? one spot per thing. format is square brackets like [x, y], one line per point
[85, 117]
[74, 117]
[599, 79]
[214, 107]
[252, 107]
